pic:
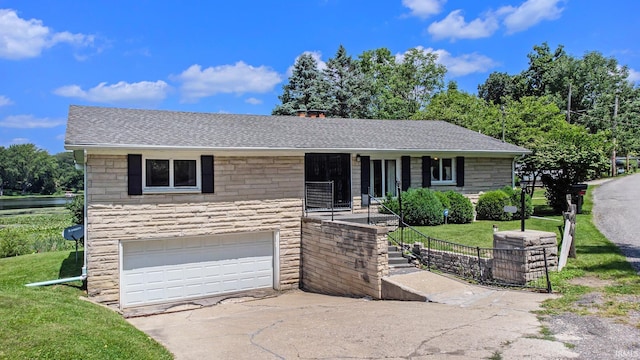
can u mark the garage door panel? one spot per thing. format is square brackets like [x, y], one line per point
[167, 270]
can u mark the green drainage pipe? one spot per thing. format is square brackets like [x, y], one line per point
[60, 281]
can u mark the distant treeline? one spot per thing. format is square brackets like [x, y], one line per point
[25, 169]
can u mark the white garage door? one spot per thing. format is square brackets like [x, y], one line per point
[158, 271]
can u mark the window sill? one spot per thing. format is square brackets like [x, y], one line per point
[443, 183]
[152, 191]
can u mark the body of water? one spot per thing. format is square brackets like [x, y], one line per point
[33, 202]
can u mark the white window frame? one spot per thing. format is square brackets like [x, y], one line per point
[171, 188]
[384, 174]
[453, 171]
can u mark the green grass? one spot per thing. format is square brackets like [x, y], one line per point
[54, 323]
[598, 258]
[480, 233]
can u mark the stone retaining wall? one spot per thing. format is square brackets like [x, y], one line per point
[342, 258]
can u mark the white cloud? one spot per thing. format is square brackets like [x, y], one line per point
[21, 39]
[316, 55]
[239, 78]
[120, 92]
[30, 122]
[18, 141]
[424, 8]
[4, 101]
[253, 101]
[454, 27]
[530, 13]
[634, 76]
[462, 65]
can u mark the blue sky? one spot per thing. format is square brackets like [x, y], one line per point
[234, 57]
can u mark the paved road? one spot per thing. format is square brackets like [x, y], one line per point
[616, 213]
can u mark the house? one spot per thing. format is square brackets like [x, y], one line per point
[184, 205]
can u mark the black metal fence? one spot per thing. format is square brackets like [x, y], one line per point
[525, 268]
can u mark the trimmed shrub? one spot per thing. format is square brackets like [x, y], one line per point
[491, 206]
[514, 195]
[460, 208]
[422, 207]
[444, 200]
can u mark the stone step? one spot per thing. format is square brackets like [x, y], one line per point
[401, 266]
[398, 260]
[394, 253]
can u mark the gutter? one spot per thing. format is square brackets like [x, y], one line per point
[84, 276]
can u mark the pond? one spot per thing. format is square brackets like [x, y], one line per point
[33, 202]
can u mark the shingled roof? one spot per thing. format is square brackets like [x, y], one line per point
[100, 127]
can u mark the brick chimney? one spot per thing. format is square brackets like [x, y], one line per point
[311, 113]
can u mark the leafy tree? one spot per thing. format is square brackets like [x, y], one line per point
[401, 86]
[463, 109]
[497, 88]
[377, 67]
[68, 178]
[3, 170]
[26, 166]
[570, 156]
[306, 89]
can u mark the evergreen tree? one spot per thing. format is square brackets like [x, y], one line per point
[307, 89]
[349, 96]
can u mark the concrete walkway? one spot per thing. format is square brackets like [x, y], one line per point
[469, 323]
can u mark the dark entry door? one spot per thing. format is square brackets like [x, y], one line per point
[331, 167]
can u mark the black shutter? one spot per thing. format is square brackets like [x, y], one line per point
[406, 172]
[460, 171]
[365, 173]
[426, 171]
[134, 174]
[206, 162]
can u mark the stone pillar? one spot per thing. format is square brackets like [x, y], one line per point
[518, 255]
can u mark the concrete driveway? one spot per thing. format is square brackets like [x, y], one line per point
[299, 325]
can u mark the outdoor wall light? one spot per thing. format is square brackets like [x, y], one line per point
[358, 157]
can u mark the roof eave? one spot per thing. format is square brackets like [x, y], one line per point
[139, 147]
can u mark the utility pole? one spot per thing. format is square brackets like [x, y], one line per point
[569, 105]
[614, 169]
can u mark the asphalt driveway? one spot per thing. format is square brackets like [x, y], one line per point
[300, 325]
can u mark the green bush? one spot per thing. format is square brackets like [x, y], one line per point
[491, 206]
[460, 208]
[514, 195]
[76, 206]
[12, 243]
[391, 203]
[422, 207]
[444, 200]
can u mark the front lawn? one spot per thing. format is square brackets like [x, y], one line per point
[480, 233]
[54, 322]
[599, 281]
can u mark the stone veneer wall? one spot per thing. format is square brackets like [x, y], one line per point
[518, 256]
[341, 258]
[251, 194]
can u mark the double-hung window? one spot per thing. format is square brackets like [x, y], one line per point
[443, 170]
[167, 174]
[384, 173]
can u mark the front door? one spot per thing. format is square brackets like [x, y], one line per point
[331, 167]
